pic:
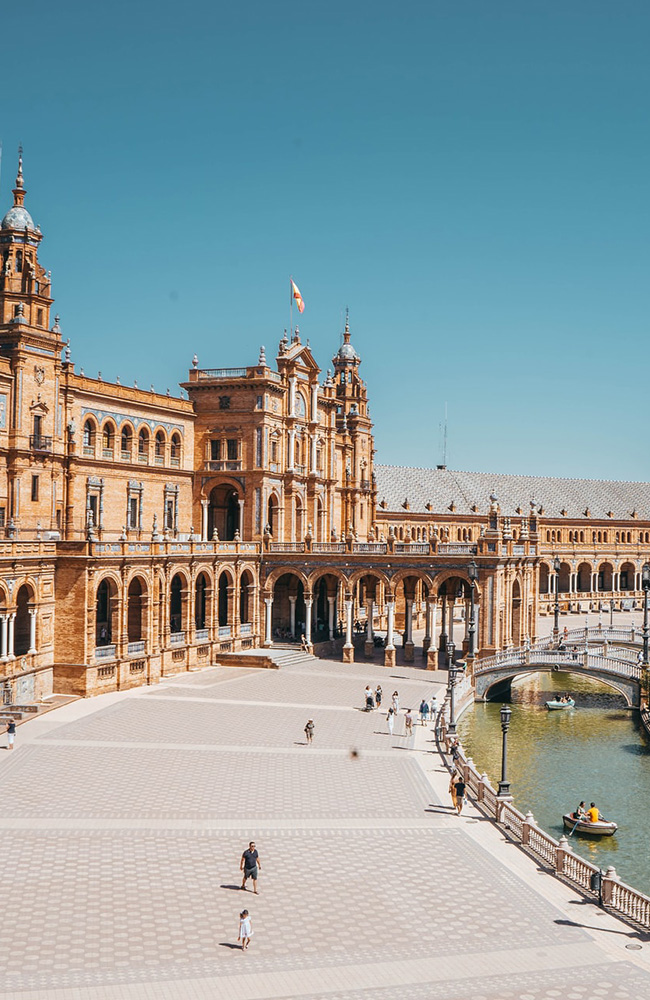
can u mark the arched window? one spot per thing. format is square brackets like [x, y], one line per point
[19, 260]
[160, 448]
[175, 450]
[582, 536]
[89, 438]
[143, 445]
[126, 443]
[108, 439]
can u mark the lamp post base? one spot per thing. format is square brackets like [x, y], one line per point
[504, 790]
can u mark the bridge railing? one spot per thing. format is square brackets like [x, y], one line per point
[556, 855]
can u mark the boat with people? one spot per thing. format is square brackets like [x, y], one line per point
[558, 704]
[601, 828]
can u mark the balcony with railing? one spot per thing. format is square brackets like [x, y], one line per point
[105, 652]
[39, 442]
[135, 648]
[177, 639]
[228, 465]
[202, 635]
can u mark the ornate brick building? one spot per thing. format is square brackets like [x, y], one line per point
[146, 534]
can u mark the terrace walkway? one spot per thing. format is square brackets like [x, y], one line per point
[124, 818]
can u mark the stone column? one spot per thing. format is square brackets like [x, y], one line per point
[32, 630]
[292, 615]
[426, 642]
[204, 520]
[3, 636]
[348, 648]
[389, 652]
[292, 450]
[10, 643]
[408, 630]
[370, 635]
[268, 637]
[308, 607]
[332, 607]
[442, 640]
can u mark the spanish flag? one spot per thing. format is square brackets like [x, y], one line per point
[295, 294]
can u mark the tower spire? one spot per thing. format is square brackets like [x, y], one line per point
[19, 190]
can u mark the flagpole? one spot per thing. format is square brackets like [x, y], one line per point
[290, 308]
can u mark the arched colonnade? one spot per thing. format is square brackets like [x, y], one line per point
[325, 605]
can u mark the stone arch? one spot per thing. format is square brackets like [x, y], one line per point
[516, 617]
[489, 683]
[159, 445]
[109, 432]
[175, 449]
[224, 510]
[137, 595]
[127, 434]
[178, 593]
[144, 438]
[289, 611]
[246, 592]
[107, 610]
[325, 615]
[202, 597]
[89, 435]
[584, 577]
[627, 576]
[605, 576]
[272, 514]
[225, 584]
[22, 626]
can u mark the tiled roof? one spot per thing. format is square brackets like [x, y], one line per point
[442, 487]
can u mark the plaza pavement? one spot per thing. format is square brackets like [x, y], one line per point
[124, 817]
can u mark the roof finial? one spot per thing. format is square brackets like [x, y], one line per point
[346, 335]
[19, 176]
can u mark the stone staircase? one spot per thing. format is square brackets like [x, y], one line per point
[288, 655]
[22, 713]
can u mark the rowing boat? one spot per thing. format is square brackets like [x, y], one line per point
[599, 829]
[555, 706]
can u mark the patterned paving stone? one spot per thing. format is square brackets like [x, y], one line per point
[149, 720]
[164, 903]
[611, 982]
[89, 781]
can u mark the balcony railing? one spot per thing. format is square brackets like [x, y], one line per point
[89, 449]
[225, 631]
[177, 639]
[126, 456]
[134, 648]
[38, 442]
[222, 373]
[245, 628]
[223, 466]
[105, 652]
[202, 634]
[107, 452]
[143, 458]
[457, 549]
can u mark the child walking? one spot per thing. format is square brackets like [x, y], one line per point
[245, 930]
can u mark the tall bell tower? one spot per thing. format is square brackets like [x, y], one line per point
[354, 440]
[32, 437]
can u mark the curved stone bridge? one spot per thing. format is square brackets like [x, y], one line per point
[611, 665]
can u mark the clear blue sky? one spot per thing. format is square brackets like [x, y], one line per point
[470, 178]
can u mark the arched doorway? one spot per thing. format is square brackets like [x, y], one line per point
[176, 604]
[223, 597]
[272, 515]
[289, 610]
[325, 614]
[515, 618]
[583, 578]
[543, 578]
[22, 623]
[200, 601]
[135, 611]
[105, 613]
[245, 594]
[626, 576]
[605, 576]
[223, 512]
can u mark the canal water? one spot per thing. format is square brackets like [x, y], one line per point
[597, 752]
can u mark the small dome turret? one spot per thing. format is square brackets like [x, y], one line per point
[346, 354]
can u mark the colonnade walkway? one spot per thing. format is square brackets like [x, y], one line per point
[124, 818]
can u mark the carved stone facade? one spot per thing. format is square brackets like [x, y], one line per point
[146, 534]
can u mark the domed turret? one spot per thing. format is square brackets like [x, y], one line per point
[18, 217]
[346, 354]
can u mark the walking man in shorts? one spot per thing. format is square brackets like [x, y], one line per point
[250, 866]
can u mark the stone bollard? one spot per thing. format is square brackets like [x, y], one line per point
[563, 848]
[483, 781]
[467, 768]
[525, 829]
[610, 878]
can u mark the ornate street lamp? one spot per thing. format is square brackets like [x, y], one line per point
[453, 674]
[472, 572]
[504, 784]
[645, 583]
[557, 565]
